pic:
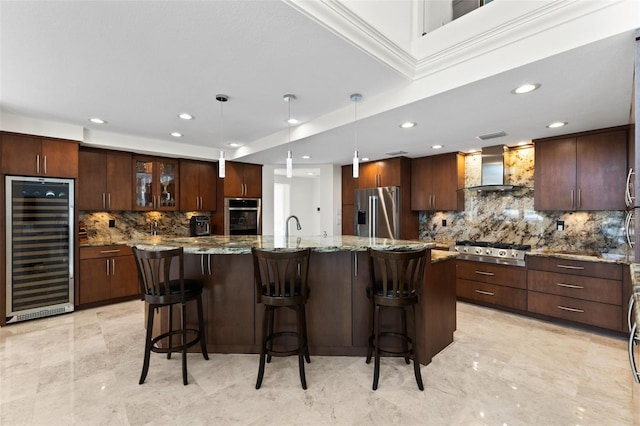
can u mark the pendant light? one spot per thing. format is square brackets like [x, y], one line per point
[221, 162]
[356, 97]
[288, 98]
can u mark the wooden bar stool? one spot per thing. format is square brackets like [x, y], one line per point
[281, 282]
[158, 290]
[396, 282]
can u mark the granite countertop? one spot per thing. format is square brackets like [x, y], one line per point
[622, 257]
[242, 244]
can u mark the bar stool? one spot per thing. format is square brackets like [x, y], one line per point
[396, 282]
[158, 290]
[281, 282]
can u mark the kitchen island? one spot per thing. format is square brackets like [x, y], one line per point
[337, 309]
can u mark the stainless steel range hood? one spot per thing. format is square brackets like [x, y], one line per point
[494, 176]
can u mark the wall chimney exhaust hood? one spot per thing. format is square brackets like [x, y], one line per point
[494, 176]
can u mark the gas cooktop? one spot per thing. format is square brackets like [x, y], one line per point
[484, 251]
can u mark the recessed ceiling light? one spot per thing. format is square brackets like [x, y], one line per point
[234, 144]
[365, 158]
[97, 120]
[522, 143]
[471, 151]
[525, 88]
[408, 124]
[557, 124]
[306, 157]
[310, 173]
[186, 116]
[176, 134]
[292, 121]
[436, 146]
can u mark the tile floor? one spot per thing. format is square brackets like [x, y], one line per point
[502, 369]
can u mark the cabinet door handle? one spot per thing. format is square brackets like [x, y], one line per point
[566, 308]
[578, 268]
[45, 164]
[109, 251]
[486, 293]
[109, 200]
[579, 198]
[628, 198]
[569, 285]
[209, 263]
[107, 267]
[113, 266]
[434, 201]
[38, 163]
[104, 204]
[572, 199]
[490, 274]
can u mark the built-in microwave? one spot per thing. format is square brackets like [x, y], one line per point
[242, 216]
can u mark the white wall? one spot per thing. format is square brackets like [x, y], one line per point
[307, 194]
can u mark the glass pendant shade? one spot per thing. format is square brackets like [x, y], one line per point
[221, 165]
[356, 165]
[289, 165]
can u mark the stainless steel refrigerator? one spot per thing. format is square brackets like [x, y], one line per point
[39, 247]
[377, 212]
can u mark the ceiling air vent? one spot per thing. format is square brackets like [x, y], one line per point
[492, 135]
[396, 153]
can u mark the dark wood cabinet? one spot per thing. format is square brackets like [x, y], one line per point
[492, 284]
[38, 156]
[243, 180]
[584, 292]
[383, 172]
[197, 185]
[107, 273]
[436, 181]
[156, 183]
[104, 180]
[581, 172]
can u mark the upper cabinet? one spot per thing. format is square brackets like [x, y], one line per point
[38, 156]
[382, 173]
[243, 180]
[156, 183]
[104, 180]
[435, 182]
[197, 185]
[581, 172]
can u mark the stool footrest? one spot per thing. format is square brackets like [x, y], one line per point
[176, 348]
[399, 353]
[274, 352]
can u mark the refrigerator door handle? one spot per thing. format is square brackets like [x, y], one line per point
[373, 211]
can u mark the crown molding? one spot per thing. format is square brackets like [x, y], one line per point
[340, 20]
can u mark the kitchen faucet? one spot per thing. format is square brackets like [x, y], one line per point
[153, 227]
[286, 226]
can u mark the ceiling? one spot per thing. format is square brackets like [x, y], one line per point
[137, 65]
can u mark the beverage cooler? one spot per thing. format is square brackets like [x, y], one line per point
[39, 247]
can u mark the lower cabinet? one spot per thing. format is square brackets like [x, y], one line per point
[585, 292]
[492, 284]
[107, 273]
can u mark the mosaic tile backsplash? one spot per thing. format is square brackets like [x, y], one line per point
[510, 217]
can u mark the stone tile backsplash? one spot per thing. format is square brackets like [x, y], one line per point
[510, 217]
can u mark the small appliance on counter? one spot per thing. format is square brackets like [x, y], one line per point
[199, 226]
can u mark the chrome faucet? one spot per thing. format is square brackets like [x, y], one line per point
[286, 226]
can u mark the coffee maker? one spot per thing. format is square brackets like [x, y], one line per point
[199, 226]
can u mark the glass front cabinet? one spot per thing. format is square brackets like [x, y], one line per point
[156, 183]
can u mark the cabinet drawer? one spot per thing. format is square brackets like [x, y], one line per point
[512, 276]
[105, 251]
[494, 294]
[575, 267]
[576, 286]
[582, 311]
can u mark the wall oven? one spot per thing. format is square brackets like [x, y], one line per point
[242, 216]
